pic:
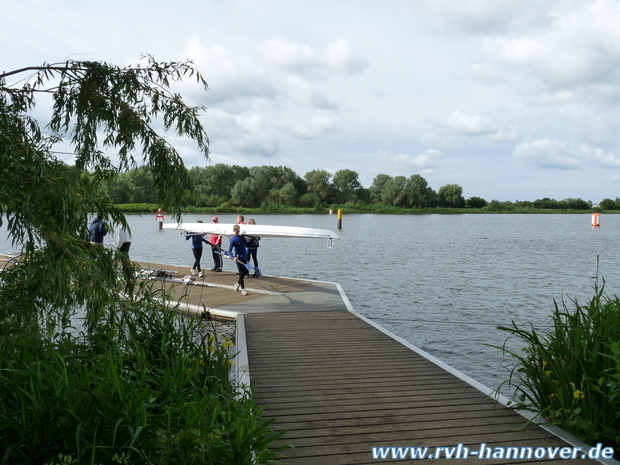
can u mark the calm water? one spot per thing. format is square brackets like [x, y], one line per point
[442, 282]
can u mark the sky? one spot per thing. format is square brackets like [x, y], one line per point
[510, 99]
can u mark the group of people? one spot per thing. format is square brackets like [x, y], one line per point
[97, 231]
[241, 250]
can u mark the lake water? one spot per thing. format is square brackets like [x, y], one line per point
[442, 282]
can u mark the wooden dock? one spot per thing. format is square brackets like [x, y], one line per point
[341, 385]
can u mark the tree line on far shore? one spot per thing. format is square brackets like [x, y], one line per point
[224, 186]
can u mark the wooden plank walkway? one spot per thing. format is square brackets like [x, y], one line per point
[341, 387]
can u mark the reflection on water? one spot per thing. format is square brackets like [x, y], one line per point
[442, 282]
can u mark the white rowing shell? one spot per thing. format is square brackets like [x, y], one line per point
[255, 230]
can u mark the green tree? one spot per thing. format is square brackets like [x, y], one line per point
[213, 184]
[363, 195]
[546, 203]
[394, 192]
[319, 184]
[265, 179]
[494, 206]
[346, 185]
[245, 193]
[377, 187]
[286, 175]
[120, 190]
[100, 108]
[289, 194]
[577, 204]
[608, 204]
[451, 196]
[419, 195]
[270, 179]
[309, 200]
[475, 202]
[134, 186]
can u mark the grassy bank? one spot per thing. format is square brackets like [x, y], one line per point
[372, 208]
[571, 374]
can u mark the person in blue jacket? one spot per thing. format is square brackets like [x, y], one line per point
[237, 250]
[197, 240]
[96, 231]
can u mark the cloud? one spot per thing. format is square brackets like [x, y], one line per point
[598, 156]
[315, 127]
[480, 17]
[421, 163]
[251, 134]
[423, 160]
[474, 125]
[231, 160]
[553, 154]
[306, 94]
[303, 59]
[461, 122]
[256, 144]
[505, 134]
[430, 138]
[231, 77]
[580, 47]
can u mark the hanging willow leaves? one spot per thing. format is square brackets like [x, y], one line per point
[114, 119]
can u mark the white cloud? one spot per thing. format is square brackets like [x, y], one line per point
[505, 134]
[481, 17]
[580, 47]
[547, 153]
[256, 144]
[409, 164]
[606, 160]
[461, 122]
[430, 138]
[250, 134]
[217, 157]
[231, 76]
[304, 59]
[306, 94]
[315, 127]
[422, 160]
[474, 125]
[554, 154]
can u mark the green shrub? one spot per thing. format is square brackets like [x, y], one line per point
[571, 374]
[144, 388]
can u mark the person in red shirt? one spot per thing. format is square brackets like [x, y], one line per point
[216, 248]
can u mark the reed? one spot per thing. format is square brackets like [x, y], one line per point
[144, 387]
[571, 374]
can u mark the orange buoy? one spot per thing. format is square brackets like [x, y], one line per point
[596, 220]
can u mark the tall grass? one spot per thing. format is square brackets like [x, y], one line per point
[571, 374]
[141, 389]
